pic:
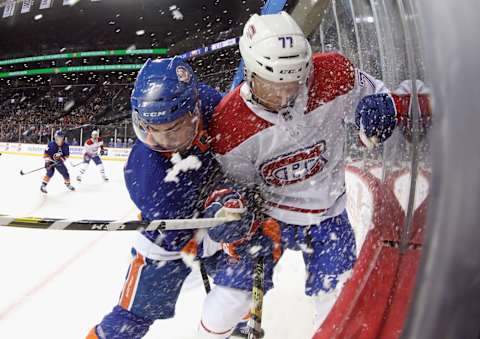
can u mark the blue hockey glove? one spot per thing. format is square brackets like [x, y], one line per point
[227, 202]
[263, 239]
[49, 162]
[57, 157]
[376, 118]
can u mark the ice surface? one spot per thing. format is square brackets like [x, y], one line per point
[58, 284]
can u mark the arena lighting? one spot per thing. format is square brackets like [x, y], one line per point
[71, 69]
[101, 68]
[152, 51]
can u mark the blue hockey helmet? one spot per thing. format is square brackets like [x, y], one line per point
[59, 136]
[165, 91]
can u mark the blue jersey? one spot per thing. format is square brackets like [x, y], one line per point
[145, 172]
[53, 148]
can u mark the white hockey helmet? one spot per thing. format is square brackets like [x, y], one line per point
[94, 134]
[274, 47]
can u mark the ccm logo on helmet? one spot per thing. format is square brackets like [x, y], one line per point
[288, 71]
[295, 167]
[154, 114]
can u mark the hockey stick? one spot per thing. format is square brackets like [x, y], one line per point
[75, 165]
[255, 322]
[206, 282]
[38, 169]
[112, 225]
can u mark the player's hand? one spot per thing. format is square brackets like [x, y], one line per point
[264, 239]
[228, 203]
[58, 157]
[375, 116]
[103, 152]
[48, 162]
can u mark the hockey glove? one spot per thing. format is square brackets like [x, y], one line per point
[228, 203]
[49, 162]
[103, 151]
[263, 239]
[57, 157]
[376, 118]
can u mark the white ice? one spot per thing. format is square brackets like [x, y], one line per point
[58, 284]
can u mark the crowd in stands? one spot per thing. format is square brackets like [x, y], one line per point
[30, 114]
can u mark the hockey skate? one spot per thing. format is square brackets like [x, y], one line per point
[79, 178]
[43, 189]
[70, 187]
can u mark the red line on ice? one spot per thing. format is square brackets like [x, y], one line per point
[35, 289]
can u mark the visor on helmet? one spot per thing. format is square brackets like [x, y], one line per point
[174, 136]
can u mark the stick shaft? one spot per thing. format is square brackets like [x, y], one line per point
[37, 169]
[255, 322]
[111, 225]
[206, 282]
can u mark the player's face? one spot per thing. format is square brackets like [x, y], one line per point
[59, 141]
[175, 136]
[274, 95]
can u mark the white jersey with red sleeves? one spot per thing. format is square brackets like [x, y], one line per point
[92, 147]
[295, 156]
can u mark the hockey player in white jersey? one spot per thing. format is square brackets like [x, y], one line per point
[92, 151]
[281, 132]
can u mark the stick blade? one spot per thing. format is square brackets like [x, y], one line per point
[21, 172]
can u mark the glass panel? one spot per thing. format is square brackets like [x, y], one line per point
[348, 31]
[330, 41]
[382, 38]
[367, 37]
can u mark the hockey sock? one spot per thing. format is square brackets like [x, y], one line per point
[83, 169]
[102, 170]
[231, 303]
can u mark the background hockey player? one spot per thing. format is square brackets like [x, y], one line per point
[92, 151]
[55, 155]
[282, 131]
[170, 114]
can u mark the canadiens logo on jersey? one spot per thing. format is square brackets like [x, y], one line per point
[295, 167]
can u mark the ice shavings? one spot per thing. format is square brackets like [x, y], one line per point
[181, 165]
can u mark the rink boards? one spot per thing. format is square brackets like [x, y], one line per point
[116, 154]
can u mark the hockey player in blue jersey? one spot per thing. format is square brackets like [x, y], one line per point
[170, 114]
[55, 155]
